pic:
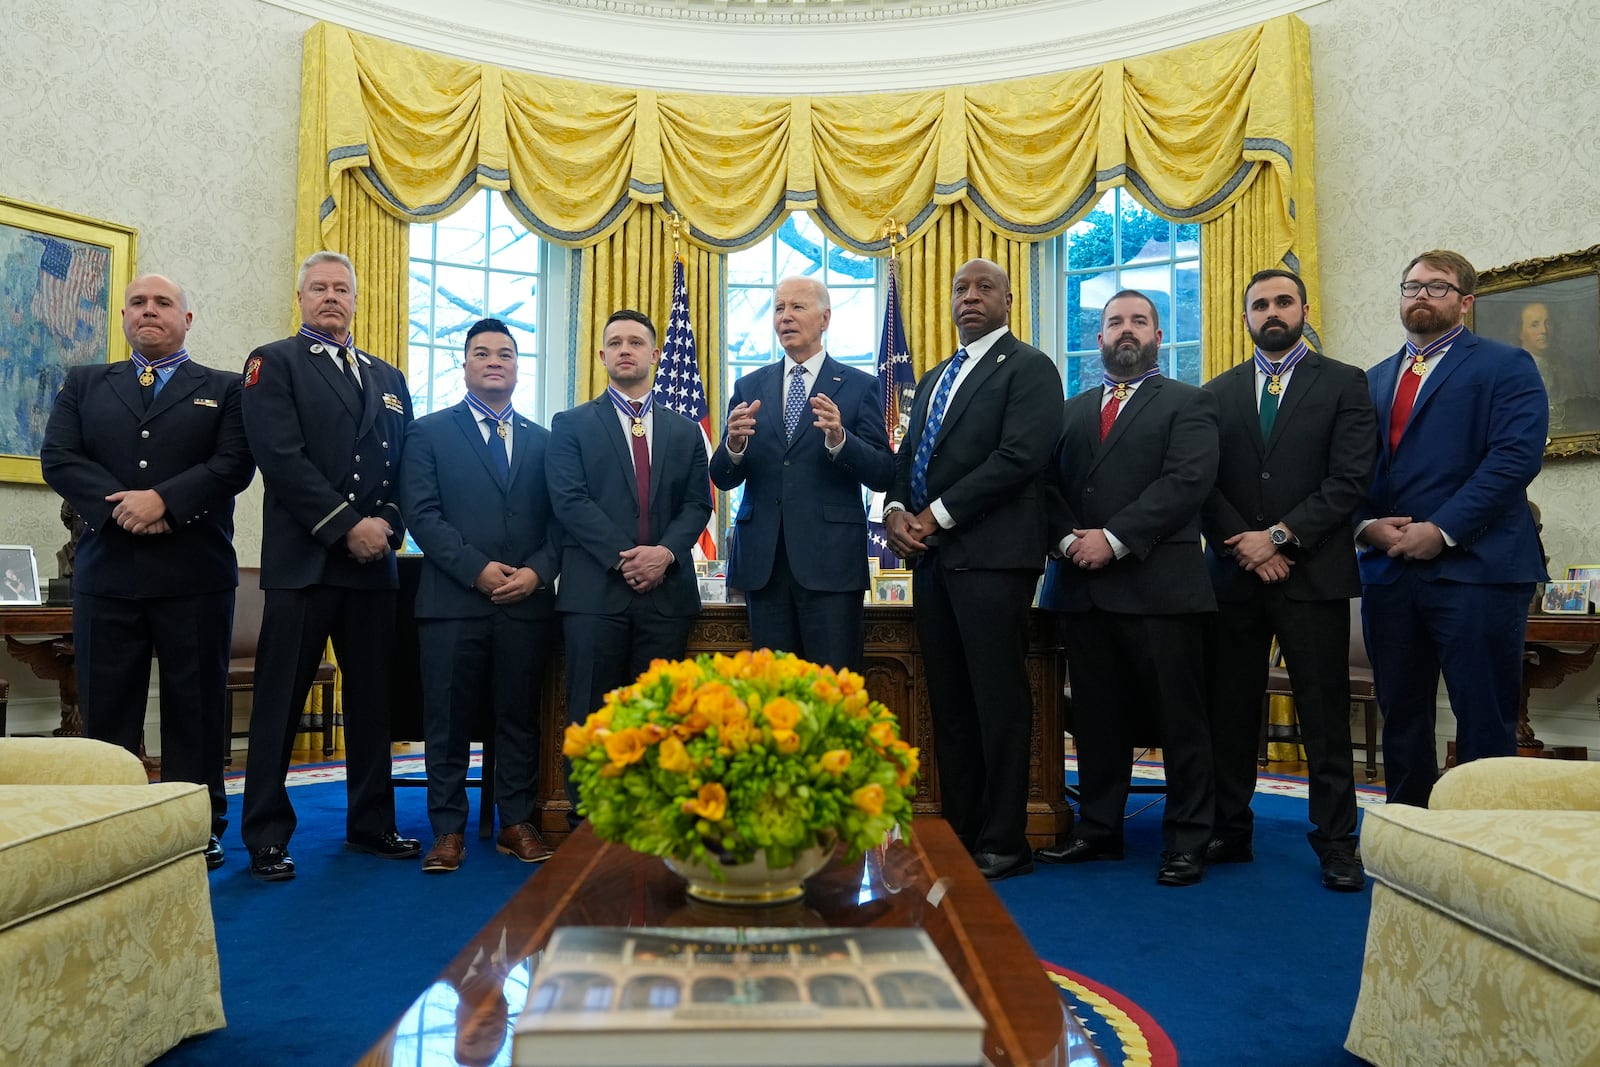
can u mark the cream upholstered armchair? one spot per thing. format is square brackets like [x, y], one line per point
[107, 950]
[1483, 945]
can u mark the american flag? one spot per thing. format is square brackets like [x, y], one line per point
[896, 385]
[71, 287]
[678, 385]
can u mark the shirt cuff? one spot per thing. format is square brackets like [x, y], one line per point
[833, 451]
[1066, 542]
[1451, 541]
[946, 521]
[1118, 549]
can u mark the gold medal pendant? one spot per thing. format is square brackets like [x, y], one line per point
[1419, 368]
[147, 378]
[1121, 392]
[1274, 386]
[637, 429]
[500, 428]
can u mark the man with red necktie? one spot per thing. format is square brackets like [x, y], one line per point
[1449, 552]
[628, 486]
[1135, 463]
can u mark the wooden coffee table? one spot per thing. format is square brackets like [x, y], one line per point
[467, 1014]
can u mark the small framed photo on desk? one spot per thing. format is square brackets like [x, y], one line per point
[19, 575]
[891, 587]
[1566, 598]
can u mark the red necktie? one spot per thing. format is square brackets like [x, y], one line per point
[1108, 415]
[641, 472]
[1404, 400]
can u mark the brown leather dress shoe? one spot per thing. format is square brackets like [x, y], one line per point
[445, 855]
[522, 840]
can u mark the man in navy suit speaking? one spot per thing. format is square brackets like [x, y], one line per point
[803, 435]
[472, 487]
[1449, 552]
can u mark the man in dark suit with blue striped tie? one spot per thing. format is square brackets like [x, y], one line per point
[472, 487]
[967, 509]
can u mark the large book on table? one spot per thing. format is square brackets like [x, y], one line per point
[607, 996]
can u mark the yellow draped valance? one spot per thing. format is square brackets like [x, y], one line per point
[1187, 130]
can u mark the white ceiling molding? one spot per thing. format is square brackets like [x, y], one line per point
[784, 47]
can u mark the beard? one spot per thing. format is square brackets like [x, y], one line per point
[1126, 357]
[1427, 319]
[1274, 336]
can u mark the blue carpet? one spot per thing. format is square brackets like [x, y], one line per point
[1257, 965]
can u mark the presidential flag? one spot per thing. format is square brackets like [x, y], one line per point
[896, 386]
[678, 384]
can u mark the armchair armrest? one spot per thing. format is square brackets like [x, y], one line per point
[67, 761]
[1517, 783]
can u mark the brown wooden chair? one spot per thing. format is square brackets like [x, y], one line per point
[1362, 692]
[248, 603]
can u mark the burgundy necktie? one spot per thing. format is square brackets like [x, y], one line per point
[641, 472]
[1404, 400]
[1108, 415]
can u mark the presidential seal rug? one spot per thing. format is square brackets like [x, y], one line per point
[1124, 1032]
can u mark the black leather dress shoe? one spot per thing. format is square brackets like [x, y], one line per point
[997, 865]
[1076, 851]
[1342, 871]
[389, 845]
[1220, 851]
[213, 854]
[1180, 868]
[271, 863]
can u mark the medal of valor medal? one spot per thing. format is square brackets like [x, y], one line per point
[147, 378]
[500, 428]
[1418, 367]
[1122, 392]
[1274, 386]
[637, 429]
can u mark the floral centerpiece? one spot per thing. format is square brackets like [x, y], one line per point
[715, 760]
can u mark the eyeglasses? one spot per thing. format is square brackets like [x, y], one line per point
[1437, 290]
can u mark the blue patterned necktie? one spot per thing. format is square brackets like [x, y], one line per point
[930, 432]
[795, 401]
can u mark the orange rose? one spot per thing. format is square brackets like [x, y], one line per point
[576, 741]
[736, 736]
[869, 798]
[835, 761]
[786, 741]
[881, 733]
[851, 683]
[781, 713]
[624, 747]
[652, 732]
[711, 804]
[913, 762]
[674, 757]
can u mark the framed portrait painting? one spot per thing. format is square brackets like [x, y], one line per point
[61, 283]
[1551, 308]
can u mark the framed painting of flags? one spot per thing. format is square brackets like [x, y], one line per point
[61, 283]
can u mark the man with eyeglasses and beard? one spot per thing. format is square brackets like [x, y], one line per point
[1298, 442]
[1449, 553]
[1135, 462]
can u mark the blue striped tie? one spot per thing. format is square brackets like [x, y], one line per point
[930, 432]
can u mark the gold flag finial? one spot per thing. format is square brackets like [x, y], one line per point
[675, 220]
[894, 232]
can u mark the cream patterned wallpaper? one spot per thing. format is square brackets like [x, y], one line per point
[1465, 124]
[180, 119]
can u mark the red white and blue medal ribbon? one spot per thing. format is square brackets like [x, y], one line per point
[500, 417]
[1419, 356]
[1276, 374]
[624, 405]
[1123, 390]
[148, 367]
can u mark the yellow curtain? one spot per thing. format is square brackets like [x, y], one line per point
[927, 275]
[632, 268]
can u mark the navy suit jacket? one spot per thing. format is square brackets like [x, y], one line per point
[1474, 441]
[190, 447]
[589, 467]
[1145, 483]
[989, 463]
[462, 514]
[329, 457]
[1310, 475]
[795, 486]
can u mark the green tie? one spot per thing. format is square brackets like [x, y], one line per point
[1269, 409]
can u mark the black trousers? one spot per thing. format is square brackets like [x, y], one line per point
[819, 625]
[1127, 671]
[296, 624]
[114, 637]
[485, 668]
[607, 651]
[973, 630]
[1315, 638]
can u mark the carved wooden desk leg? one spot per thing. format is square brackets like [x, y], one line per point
[53, 661]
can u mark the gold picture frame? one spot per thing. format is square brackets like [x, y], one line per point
[61, 282]
[1551, 308]
[892, 587]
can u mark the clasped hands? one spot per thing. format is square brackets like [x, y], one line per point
[908, 533]
[1403, 539]
[140, 511]
[742, 423]
[645, 566]
[505, 584]
[368, 540]
[1254, 551]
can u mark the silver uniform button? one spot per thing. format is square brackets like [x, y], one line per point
[143, 463]
[386, 444]
[144, 434]
[358, 459]
[352, 497]
[358, 477]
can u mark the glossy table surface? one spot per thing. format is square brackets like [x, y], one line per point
[467, 1015]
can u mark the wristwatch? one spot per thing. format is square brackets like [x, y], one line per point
[1279, 535]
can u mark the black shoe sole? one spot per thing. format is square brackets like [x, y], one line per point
[383, 853]
[1009, 872]
[271, 876]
